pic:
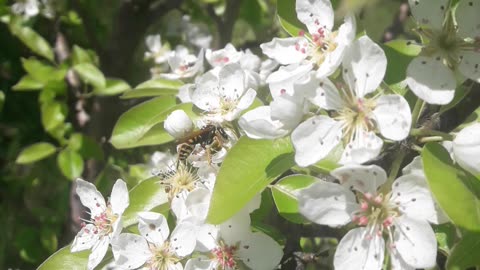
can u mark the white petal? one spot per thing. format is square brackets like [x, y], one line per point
[356, 252]
[90, 197]
[231, 81]
[236, 228]
[153, 227]
[288, 110]
[258, 124]
[179, 207]
[364, 66]
[366, 179]
[259, 251]
[415, 242]
[414, 167]
[327, 96]
[119, 198]
[466, 148]
[130, 250]
[467, 18]
[247, 99]
[185, 92]
[84, 239]
[470, 64]
[250, 61]
[327, 203]
[98, 252]
[397, 262]
[183, 239]
[207, 237]
[154, 43]
[286, 51]
[206, 96]
[223, 56]
[393, 117]
[200, 263]
[315, 138]
[411, 194]
[282, 81]
[364, 147]
[315, 14]
[178, 124]
[198, 202]
[431, 80]
[429, 12]
[347, 31]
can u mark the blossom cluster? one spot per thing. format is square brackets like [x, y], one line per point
[325, 92]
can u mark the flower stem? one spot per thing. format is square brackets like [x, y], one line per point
[417, 110]
[430, 132]
[394, 170]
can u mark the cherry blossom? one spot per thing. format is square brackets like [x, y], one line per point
[106, 219]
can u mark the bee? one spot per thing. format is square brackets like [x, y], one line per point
[210, 136]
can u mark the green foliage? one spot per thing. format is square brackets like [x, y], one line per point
[455, 190]
[91, 75]
[463, 254]
[64, 259]
[32, 40]
[284, 193]
[153, 88]
[288, 17]
[36, 152]
[248, 168]
[70, 163]
[112, 87]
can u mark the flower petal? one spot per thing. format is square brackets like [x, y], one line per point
[327, 95]
[315, 138]
[393, 117]
[315, 14]
[327, 203]
[365, 179]
[200, 263]
[236, 228]
[281, 81]
[153, 227]
[356, 252]
[178, 124]
[364, 66]
[223, 56]
[288, 110]
[98, 252]
[258, 124]
[467, 18]
[183, 239]
[429, 12]
[207, 237]
[119, 199]
[397, 261]
[90, 197]
[231, 81]
[130, 251]
[411, 194]
[259, 251]
[466, 148]
[415, 242]
[84, 239]
[198, 202]
[470, 64]
[431, 80]
[364, 147]
[285, 51]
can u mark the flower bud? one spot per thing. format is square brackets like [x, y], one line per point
[178, 124]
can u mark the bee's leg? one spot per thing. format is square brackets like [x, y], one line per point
[208, 151]
[183, 150]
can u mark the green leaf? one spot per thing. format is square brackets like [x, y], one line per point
[2, 100]
[112, 87]
[446, 235]
[248, 168]
[35, 152]
[80, 56]
[143, 197]
[405, 47]
[86, 146]
[452, 188]
[91, 75]
[285, 196]
[53, 114]
[27, 83]
[155, 136]
[42, 72]
[155, 87]
[465, 252]
[397, 62]
[48, 239]
[136, 122]
[460, 93]
[70, 163]
[64, 259]
[288, 17]
[474, 117]
[32, 40]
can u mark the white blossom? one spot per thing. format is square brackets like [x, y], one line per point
[401, 216]
[450, 48]
[183, 64]
[323, 48]
[466, 148]
[28, 8]
[106, 219]
[222, 57]
[178, 124]
[356, 114]
[158, 52]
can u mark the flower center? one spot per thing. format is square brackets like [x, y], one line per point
[176, 181]
[225, 256]
[103, 222]
[376, 212]
[318, 46]
[163, 258]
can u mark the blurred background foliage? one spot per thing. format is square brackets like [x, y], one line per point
[75, 123]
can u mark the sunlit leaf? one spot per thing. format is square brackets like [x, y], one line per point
[64, 259]
[288, 17]
[32, 40]
[35, 152]
[27, 83]
[43, 72]
[285, 196]
[155, 87]
[248, 168]
[465, 252]
[112, 87]
[70, 163]
[91, 74]
[454, 189]
[53, 114]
